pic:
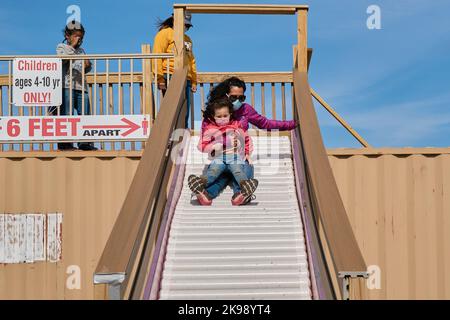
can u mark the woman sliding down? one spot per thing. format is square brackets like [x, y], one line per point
[228, 145]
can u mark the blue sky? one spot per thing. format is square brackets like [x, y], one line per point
[392, 85]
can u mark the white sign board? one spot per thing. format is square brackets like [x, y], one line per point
[37, 82]
[75, 128]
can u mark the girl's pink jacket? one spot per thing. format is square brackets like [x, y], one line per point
[213, 134]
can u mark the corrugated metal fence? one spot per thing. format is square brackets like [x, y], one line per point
[398, 201]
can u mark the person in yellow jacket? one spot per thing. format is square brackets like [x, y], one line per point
[164, 43]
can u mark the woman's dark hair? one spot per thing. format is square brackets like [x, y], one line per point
[223, 88]
[72, 27]
[163, 24]
[212, 106]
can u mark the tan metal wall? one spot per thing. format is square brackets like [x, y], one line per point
[89, 192]
[399, 206]
[398, 201]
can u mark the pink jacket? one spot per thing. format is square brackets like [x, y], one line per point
[213, 134]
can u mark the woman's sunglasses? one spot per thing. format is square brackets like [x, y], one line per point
[233, 98]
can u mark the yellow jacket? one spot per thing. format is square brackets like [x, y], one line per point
[164, 43]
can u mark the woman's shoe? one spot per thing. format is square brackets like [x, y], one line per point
[204, 199]
[196, 184]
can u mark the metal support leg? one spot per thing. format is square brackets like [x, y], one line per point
[346, 276]
[114, 283]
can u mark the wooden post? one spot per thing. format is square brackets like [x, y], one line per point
[302, 40]
[178, 25]
[295, 56]
[147, 84]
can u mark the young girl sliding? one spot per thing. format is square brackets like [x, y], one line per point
[228, 145]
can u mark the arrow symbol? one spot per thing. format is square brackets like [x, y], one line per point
[131, 126]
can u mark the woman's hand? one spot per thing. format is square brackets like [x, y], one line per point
[87, 64]
[194, 88]
[249, 159]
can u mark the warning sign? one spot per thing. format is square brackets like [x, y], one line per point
[37, 82]
[75, 128]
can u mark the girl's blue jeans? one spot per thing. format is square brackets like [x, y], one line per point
[220, 178]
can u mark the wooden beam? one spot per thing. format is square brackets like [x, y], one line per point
[147, 83]
[130, 228]
[310, 53]
[249, 77]
[340, 119]
[295, 56]
[202, 77]
[178, 25]
[241, 8]
[101, 78]
[302, 40]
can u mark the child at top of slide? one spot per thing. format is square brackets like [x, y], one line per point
[73, 38]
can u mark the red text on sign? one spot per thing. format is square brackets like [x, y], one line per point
[53, 127]
[37, 97]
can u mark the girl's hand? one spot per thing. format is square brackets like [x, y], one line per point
[217, 149]
[87, 64]
[236, 143]
[249, 159]
[194, 88]
[74, 41]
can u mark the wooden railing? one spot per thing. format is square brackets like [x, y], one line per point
[117, 84]
[134, 92]
[344, 259]
[125, 260]
[270, 93]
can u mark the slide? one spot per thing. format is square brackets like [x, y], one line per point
[256, 251]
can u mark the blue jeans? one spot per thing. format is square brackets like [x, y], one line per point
[221, 182]
[77, 102]
[215, 169]
[77, 105]
[188, 98]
